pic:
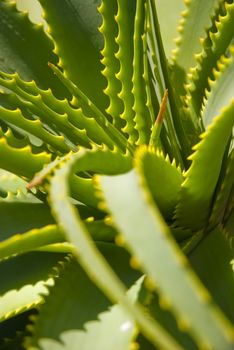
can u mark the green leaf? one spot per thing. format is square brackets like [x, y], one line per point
[219, 37]
[19, 40]
[197, 190]
[223, 192]
[169, 12]
[91, 324]
[28, 241]
[142, 113]
[98, 160]
[23, 280]
[169, 322]
[162, 83]
[162, 178]
[125, 22]
[21, 161]
[115, 136]
[35, 128]
[90, 258]
[11, 183]
[47, 107]
[216, 273]
[109, 29]
[59, 115]
[22, 212]
[78, 21]
[149, 240]
[195, 19]
[221, 89]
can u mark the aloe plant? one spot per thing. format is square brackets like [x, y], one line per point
[117, 164]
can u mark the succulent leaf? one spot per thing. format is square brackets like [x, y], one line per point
[25, 278]
[222, 87]
[194, 20]
[93, 262]
[116, 176]
[216, 44]
[197, 190]
[162, 177]
[204, 321]
[19, 40]
[78, 21]
[86, 325]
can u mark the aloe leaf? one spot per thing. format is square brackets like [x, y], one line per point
[223, 192]
[162, 83]
[109, 29]
[216, 44]
[31, 240]
[195, 19]
[216, 251]
[11, 183]
[35, 128]
[221, 89]
[78, 21]
[23, 280]
[12, 243]
[142, 116]
[125, 22]
[87, 129]
[169, 322]
[21, 161]
[90, 258]
[16, 140]
[87, 325]
[162, 178]
[112, 132]
[22, 213]
[149, 240]
[197, 190]
[19, 40]
[99, 159]
[45, 106]
[101, 230]
[169, 12]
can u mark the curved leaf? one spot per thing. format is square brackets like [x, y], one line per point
[92, 261]
[125, 21]
[155, 251]
[195, 19]
[221, 89]
[28, 241]
[169, 12]
[195, 198]
[19, 40]
[216, 44]
[92, 324]
[21, 161]
[78, 21]
[142, 113]
[109, 29]
[217, 253]
[162, 177]
[23, 279]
